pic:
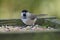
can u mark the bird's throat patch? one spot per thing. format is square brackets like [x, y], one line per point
[24, 16]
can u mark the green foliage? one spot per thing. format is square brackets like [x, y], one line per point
[12, 8]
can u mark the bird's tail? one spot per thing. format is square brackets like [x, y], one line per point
[45, 16]
[42, 15]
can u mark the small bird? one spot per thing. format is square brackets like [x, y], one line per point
[28, 18]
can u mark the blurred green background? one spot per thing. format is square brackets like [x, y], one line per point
[12, 8]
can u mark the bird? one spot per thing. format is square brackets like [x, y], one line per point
[28, 18]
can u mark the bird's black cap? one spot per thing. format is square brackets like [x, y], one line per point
[24, 10]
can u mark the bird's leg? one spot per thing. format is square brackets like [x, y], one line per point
[34, 22]
[24, 25]
[33, 25]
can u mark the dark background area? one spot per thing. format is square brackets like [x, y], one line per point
[31, 36]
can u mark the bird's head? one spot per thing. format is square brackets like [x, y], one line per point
[24, 11]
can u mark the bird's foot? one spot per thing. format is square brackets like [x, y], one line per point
[32, 26]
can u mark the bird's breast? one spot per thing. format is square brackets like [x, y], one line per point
[28, 21]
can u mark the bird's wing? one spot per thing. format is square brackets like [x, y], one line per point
[32, 16]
